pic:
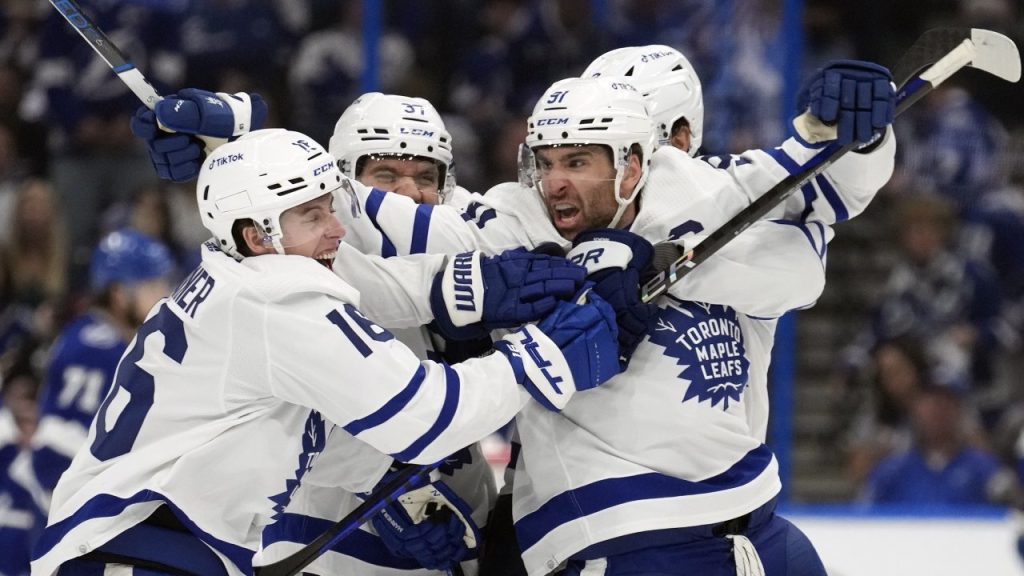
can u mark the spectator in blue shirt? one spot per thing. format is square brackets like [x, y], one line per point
[941, 468]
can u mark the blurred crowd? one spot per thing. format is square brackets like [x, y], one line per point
[933, 382]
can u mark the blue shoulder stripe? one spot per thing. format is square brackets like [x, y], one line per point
[421, 229]
[373, 203]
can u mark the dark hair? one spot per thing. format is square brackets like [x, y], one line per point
[236, 234]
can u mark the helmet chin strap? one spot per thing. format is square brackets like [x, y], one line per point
[622, 202]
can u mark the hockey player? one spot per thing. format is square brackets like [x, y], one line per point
[211, 420]
[511, 215]
[128, 274]
[400, 145]
[395, 144]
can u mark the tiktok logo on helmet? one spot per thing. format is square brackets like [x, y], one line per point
[707, 342]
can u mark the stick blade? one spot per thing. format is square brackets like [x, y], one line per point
[995, 54]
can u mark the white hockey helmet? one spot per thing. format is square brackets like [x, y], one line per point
[392, 125]
[604, 111]
[258, 177]
[668, 82]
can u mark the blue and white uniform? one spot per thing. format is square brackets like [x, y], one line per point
[250, 348]
[82, 365]
[678, 439]
[21, 514]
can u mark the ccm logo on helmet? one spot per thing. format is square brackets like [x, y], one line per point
[416, 132]
[552, 121]
[323, 169]
[226, 160]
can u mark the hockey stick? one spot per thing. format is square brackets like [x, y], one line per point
[124, 69]
[403, 480]
[939, 52]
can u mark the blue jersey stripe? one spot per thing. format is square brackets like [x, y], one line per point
[108, 505]
[605, 494]
[392, 407]
[444, 419]
[421, 229]
[373, 203]
[810, 193]
[830, 194]
[819, 250]
[780, 156]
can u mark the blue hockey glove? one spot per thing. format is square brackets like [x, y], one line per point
[429, 524]
[616, 261]
[216, 115]
[194, 120]
[857, 97]
[475, 294]
[176, 157]
[573, 348]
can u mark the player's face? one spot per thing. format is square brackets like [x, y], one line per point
[577, 183]
[311, 229]
[416, 178]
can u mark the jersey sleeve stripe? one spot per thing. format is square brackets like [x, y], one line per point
[610, 492]
[444, 419]
[421, 228]
[810, 193]
[373, 203]
[819, 247]
[783, 159]
[830, 194]
[392, 407]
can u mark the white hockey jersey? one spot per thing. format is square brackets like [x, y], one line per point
[676, 440]
[511, 216]
[216, 406]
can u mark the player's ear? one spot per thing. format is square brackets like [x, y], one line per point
[256, 241]
[632, 174]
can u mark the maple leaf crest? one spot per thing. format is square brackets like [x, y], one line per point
[706, 341]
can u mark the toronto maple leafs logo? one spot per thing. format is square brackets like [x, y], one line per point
[707, 342]
[313, 439]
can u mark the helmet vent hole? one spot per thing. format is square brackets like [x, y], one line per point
[315, 155]
[565, 134]
[401, 145]
[380, 130]
[298, 180]
[430, 148]
[322, 185]
[586, 121]
[206, 193]
[362, 131]
[677, 67]
[629, 72]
